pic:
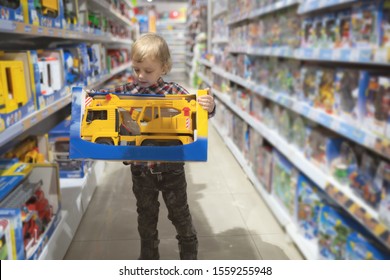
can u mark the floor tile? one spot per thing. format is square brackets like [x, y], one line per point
[256, 214]
[103, 250]
[227, 248]
[276, 247]
[215, 214]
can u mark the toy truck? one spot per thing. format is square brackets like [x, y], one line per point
[152, 120]
[13, 93]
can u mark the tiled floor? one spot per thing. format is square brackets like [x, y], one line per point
[231, 219]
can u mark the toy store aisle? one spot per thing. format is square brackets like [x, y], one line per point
[232, 220]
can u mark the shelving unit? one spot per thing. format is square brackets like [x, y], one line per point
[174, 33]
[211, 74]
[76, 194]
[196, 37]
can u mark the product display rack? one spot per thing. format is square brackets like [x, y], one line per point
[174, 33]
[358, 208]
[75, 193]
[196, 36]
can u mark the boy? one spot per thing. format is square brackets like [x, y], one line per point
[151, 59]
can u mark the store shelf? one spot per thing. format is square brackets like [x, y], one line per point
[221, 40]
[279, 5]
[108, 10]
[59, 242]
[367, 56]
[84, 34]
[205, 79]
[308, 6]
[31, 121]
[106, 77]
[220, 12]
[205, 62]
[334, 189]
[353, 132]
[308, 249]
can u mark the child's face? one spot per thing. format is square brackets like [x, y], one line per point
[147, 72]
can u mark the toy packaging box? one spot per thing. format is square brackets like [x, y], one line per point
[384, 206]
[333, 232]
[71, 15]
[347, 95]
[36, 197]
[344, 23]
[365, 24]
[324, 98]
[284, 182]
[341, 237]
[347, 163]
[59, 138]
[374, 101]
[11, 11]
[16, 78]
[51, 77]
[138, 127]
[48, 15]
[264, 167]
[366, 181]
[11, 235]
[309, 203]
[322, 148]
[361, 248]
[77, 64]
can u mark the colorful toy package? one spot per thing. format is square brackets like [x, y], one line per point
[360, 248]
[284, 182]
[309, 204]
[142, 128]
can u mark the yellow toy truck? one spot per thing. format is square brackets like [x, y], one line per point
[140, 121]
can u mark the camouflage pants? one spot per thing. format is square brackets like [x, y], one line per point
[173, 186]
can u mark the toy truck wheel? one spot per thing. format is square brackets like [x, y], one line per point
[104, 141]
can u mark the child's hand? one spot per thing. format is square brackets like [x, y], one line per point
[207, 101]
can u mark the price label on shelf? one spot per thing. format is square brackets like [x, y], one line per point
[325, 119]
[7, 25]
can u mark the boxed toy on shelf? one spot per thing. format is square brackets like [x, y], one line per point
[284, 182]
[366, 181]
[339, 240]
[77, 67]
[33, 192]
[323, 148]
[365, 24]
[374, 102]
[347, 95]
[169, 127]
[264, 166]
[360, 248]
[59, 138]
[383, 174]
[309, 202]
[51, 76]
[18, 86]
[11, 11]
[325, 96]
[49, 13]
[71, 15]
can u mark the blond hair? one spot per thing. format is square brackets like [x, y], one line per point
[153, 46]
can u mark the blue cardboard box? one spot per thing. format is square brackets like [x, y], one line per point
[59, 138]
